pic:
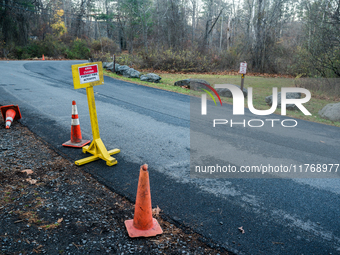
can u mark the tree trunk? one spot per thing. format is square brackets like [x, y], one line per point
[65, 21]
[221, 33]
[257, 58]
[228, 33]
[6, 24]
[193, 20]
[80, 17]
[207, 24]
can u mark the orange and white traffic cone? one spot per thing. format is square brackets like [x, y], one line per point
[76, 138]
[10, 113]
[43, 57]
[143, 224]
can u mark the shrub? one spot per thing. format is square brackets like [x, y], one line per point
[100, 56]
[6, 49]
[78, 50]
[34, 49]
[227, 59]
[17, 52]
[50, 46]
[130, 60]
[326, 86]
[301, 63]
[103, 49]
[104, 45]
[180, 60]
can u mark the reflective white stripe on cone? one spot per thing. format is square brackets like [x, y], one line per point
[76, 138]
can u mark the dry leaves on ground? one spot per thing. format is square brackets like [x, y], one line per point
[27, 171]
[156, 211]
[31, 181]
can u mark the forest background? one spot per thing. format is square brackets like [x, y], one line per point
[294, 37]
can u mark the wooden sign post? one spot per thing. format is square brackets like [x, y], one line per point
[114, 63]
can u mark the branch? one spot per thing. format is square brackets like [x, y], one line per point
[215, 21]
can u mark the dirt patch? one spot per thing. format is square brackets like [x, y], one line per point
[50, 206]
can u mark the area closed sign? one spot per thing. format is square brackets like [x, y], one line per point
[243, 68]
[87, 75]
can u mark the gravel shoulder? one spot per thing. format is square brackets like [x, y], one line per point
[56, 208]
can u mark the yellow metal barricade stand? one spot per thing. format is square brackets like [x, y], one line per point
[86, 76]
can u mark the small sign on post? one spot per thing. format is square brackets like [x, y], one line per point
[86, 76]
[243, 71]
[243, 67]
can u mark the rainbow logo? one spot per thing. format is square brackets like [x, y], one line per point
[213, 90]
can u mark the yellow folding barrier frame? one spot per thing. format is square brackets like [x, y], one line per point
[97, 147]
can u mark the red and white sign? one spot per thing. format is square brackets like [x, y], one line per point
[88, 74]
[243, 68]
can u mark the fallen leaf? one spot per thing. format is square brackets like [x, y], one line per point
[60, 220]
[156, 211]
[27, 171]
[241, 229]
[31, 181]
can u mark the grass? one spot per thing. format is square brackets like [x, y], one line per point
[50, 226]
[262, 87]
[164, 84]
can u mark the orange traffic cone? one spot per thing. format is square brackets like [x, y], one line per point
[10, 113]
[43, 57]
[143, 224]
[76, 138]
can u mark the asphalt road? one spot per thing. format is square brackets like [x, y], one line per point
[279, 215]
